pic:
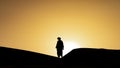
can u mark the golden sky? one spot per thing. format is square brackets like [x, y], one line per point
[34, 25]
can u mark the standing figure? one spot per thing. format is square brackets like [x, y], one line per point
[59, 47]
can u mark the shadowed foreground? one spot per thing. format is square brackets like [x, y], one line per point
[77, 58]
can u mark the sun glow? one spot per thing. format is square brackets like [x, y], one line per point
[68, 46]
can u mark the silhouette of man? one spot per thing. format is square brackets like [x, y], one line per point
[59, 47]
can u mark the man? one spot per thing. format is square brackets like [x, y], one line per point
[59, 47]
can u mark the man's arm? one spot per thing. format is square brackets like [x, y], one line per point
[63, 45]
[56, 45]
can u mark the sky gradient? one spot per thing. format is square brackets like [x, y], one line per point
[34, 25]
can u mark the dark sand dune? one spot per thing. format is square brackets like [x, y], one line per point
[16, 57]
[98, 58]
[77, 58]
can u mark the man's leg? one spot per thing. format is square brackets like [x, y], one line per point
[58, 53]
[61, 53]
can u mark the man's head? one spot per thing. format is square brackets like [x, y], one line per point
[59, 38]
